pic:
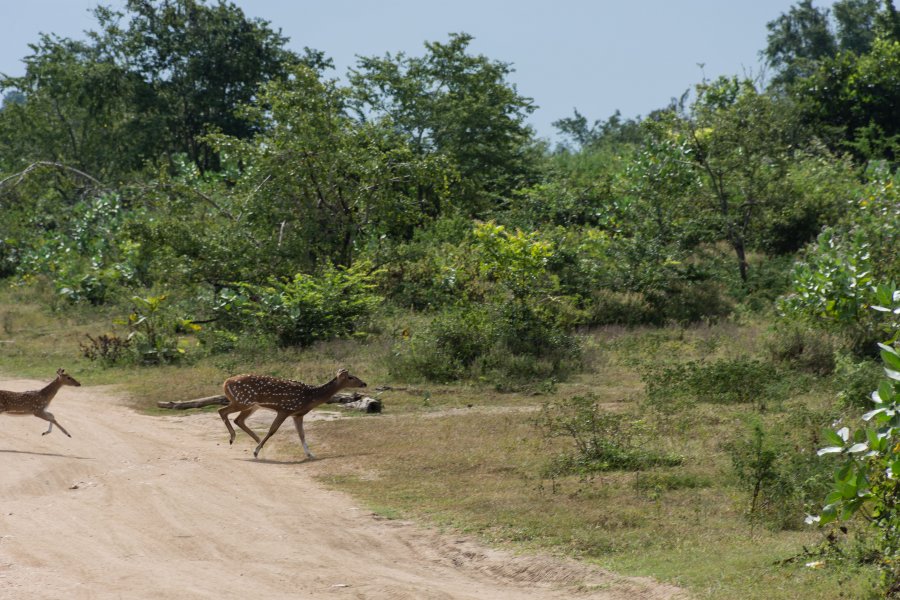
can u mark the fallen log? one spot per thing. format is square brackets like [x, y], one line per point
[198, 403]
[352, 401]
[356, 401]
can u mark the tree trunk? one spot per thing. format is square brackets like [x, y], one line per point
[738, 245]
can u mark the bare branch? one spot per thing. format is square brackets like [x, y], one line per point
[56, 165]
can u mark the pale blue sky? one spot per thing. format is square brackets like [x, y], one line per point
[595, 56]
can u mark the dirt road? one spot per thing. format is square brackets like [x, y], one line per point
[161, 507]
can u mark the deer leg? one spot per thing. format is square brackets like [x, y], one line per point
[298, 423]
[239, 421]
[49, 417]
[224, 412]
[279, 419]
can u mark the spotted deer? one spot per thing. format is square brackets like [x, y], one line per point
[288, 398]
[35, 402]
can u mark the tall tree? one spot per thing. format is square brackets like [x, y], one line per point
[855, 24]
[851, 101]
[199, 63]
[797, 40]
[70, 107]
[149, 83]
[741, 144]
[460, 106]
[313, 187]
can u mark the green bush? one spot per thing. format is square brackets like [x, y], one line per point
[690, 301]
[602, 440]
[608, 307]
[152, 339]
[856, 379]
[833, 285]
[782, 478]
[511, 344]
[803, 348]
[435, 270]
[865, 479]
[725, 381]
[152, 336]
[305, 309]
[86, 252]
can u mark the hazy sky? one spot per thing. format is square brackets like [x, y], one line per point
[595, 56]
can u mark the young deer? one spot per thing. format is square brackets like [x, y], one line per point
[35, 402]
[288, 398]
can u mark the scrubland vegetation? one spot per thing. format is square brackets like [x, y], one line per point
[666, 345]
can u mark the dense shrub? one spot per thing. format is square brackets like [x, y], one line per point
[725, 381]
[834, 282]
[782, 478]
[803, 348]
[608, 307]
[85, 253]
[856, 379]
[305, 309]
[603, 441]
[864, 481]
[434, 270]
[511, 344]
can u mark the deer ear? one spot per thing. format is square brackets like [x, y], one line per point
[343, 372]
[60, 371]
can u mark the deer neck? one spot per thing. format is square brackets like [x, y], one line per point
[49, 390]
[326, 391]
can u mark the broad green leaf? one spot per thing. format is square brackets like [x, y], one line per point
[844, 433]
[833, 437]
[891, 358]
[885, 391]
[877, 442]
[886, 348]
[833, 498]
[895, 468]
[829, 514]
[848, 489]
[844, 472]
[850, 509]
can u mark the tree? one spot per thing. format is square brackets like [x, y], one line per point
[851, 100]
[805, 37]
[70, 107]
[855, 24]
[456, 105]
[198, 62]
[797, 40]
[887, 22]
[312, 188]
[740, 142]
[613, 132]
[141, 90]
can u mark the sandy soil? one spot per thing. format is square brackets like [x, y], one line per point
[161, 507]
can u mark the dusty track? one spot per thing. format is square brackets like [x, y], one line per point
[161, 507]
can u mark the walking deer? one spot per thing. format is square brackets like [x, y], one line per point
[35, 402]
[288, 398]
